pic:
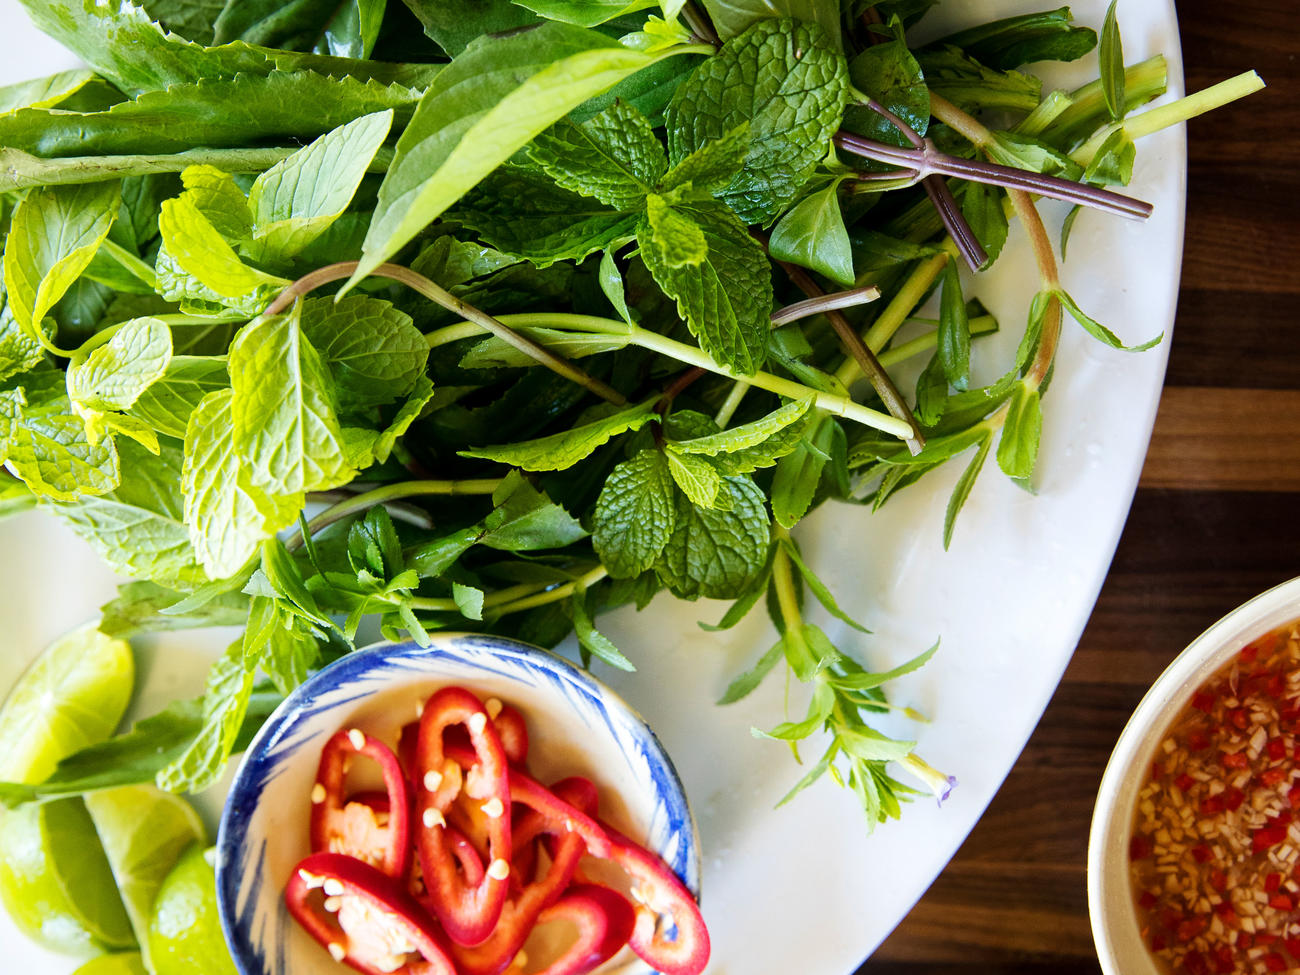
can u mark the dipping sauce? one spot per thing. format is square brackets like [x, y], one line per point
[1215, 848]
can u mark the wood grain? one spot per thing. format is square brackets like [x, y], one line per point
[1216, 519]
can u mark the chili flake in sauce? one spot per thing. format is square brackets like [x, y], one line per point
[1215, 848]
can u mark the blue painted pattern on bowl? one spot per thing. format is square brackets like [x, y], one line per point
[576, 725]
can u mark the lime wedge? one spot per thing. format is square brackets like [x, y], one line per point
[185, 933]
[55, 881]
[73, 695]
[144, 832]
[127, 963]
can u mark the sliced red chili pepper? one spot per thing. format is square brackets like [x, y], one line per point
[660, 894]
[520, 913]
[468, 912]
[358, 827]
[604, 921]
[363, 918]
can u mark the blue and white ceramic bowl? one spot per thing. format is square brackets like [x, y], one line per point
[576, 726]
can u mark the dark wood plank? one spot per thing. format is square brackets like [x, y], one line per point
[1230, 338]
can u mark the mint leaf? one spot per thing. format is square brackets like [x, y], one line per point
[137, 609]
[614, 156]
[889, 73]
[750, 446]
[285, 429]
[372, 350]
[727, 298]
[710, 168]
[138, 528]
[114, 375]
[219, 198]
[166, 404]
[812, 234]
[793, 92]
[634, 515]
[19, 351]
[198, 249]
[698, 479]
[295, 200]
[487, 104]
[44, 442]
[527, 216]
[227, 517]
[732, 17]
[717, 552]
[364, 447]
[53, 235]
[676, 239]
[561, 451]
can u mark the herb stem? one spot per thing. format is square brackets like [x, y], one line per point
[732, 403]
[392, 492]
[585, 581]
[823, 303]
[422, 285]
[693, 356]
[699, 24]
[1155, 119]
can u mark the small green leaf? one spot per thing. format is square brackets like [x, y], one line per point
[812, 235]
[799, 472]
[219, 198]
[1018, 446]
[611, 283]
[53, 236]
[229, 687]
[981, 205]
[199, 249]
[634, 515]
[166, 404]
[114, 375]
[677, 240]
[698, 478]
[711, 167]
[585, 13]
[613, 156]
[469, 600]
[889, 73]
[743, 685]
[591, 639]
[1099, 331]
[954, 330]
[295, 200]
[373, 351]
[1111, 56]
[819, 589]
[961, 490]
[561, 451]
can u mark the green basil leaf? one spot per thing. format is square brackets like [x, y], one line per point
[295, 200]
[53, 235]
[717, 552]
[561, 451]
[114, 375]
[812, 235]
[793, 97]
[727, 298]
[485, 106]
[285, 428]
[613, 156]
[634, 515]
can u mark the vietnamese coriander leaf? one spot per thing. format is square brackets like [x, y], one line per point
[53, 235]
[1111, 56]
[793, 96]
[295, 200]
[888, 72]
[487, 104]
[954, 330]
[1018, 446]
[562, 450]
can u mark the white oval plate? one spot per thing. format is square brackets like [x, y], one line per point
[804, 888]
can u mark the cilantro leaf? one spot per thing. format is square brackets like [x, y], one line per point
[796, 86]
[726, 298]
[634, 515]
[614, 156]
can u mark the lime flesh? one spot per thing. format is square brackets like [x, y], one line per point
[127, 963]
[185, 933]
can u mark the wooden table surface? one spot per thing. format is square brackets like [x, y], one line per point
[1215, 521]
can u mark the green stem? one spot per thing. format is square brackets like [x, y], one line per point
[731, 403]
[693, 356]
[517, 598]
[131, 262]
[392, 492]
[1155, 119]
[981, 325]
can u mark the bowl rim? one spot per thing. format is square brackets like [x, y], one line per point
[1112, 810]
[235, 817]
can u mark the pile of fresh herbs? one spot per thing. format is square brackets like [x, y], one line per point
[623, 289]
